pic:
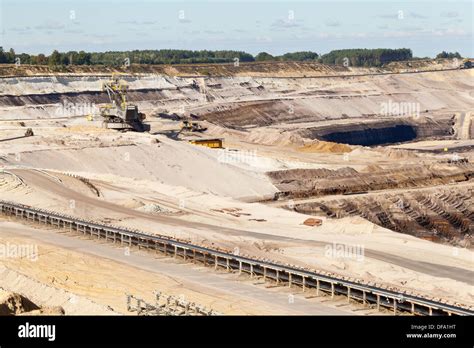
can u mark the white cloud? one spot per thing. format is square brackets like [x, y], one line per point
[285, 23]
[332, 23]
[417, 15]
[50, 25]
[451, 14]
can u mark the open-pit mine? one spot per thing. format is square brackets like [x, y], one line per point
[267, 188]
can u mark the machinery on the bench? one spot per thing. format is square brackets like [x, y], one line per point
[119, 114]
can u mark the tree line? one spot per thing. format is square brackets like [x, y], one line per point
[445, 54]
[346, 57]
[118, 58]
[366, 57]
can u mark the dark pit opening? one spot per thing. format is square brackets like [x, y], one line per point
[373, 136]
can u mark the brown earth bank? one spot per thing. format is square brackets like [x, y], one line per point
[299, 183]
[283, 69]
[443, 215]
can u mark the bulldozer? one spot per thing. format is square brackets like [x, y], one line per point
[188, 126]
[120, 114]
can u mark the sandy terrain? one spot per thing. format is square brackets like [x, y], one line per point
[95, 279]
[225, 197]
[280, 235]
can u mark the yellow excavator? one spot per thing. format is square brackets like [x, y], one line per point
[467, 63]
[120, 114]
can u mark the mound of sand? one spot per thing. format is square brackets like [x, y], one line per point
[373, 168]
[11, 183]
[172, 163]
[398, 154]
[12, 303]
[267, 137]
[325, 147]
[22, 294]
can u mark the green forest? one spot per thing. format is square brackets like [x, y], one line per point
[366, 57]
[348, 57]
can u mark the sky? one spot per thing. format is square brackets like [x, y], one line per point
[276, 27]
